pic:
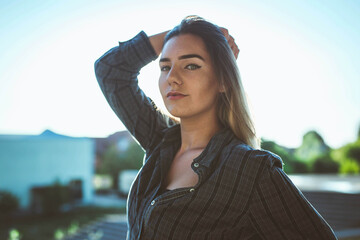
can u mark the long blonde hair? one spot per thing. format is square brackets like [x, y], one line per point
[233, 110]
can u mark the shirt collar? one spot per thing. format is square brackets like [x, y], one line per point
[172, 133]
[212, 149]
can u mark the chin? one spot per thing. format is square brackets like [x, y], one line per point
[181, 115]
[176, 113]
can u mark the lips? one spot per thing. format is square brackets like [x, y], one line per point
[174, 93]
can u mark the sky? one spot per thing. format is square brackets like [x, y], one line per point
[299, 62]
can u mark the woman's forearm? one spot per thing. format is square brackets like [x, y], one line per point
[157, 41]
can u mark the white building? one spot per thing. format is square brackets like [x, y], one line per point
[28, 161]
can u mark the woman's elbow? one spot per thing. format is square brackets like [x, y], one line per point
[100, 69]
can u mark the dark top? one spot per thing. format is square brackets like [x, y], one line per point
[242, 192]
[162, 191]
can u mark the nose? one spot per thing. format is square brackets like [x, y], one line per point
[173, 77]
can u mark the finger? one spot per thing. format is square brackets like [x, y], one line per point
[235, 51]
[225, 32]
[233, 46]
[231, 40]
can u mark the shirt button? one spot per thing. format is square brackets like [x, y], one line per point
[192, 189]
[153, 202]
[196, 165]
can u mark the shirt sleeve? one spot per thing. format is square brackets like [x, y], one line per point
[280, 211]
[116, 72]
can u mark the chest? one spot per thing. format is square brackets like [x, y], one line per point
[213, 206]
[180, 173]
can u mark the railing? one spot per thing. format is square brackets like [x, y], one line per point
[336, 198]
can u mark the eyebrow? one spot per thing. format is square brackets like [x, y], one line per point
[184, 57]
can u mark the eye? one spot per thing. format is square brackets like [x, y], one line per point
[192, 67]
[164, 68]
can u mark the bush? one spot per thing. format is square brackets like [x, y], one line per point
[349, 166]
[325, 164]
[114, 161]
[14, 234]
[9, 203]
[296, 167]
[54, 198]
[353, 151]
[291, 163]
[49, 200]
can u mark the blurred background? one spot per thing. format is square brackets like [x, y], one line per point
[66, 160]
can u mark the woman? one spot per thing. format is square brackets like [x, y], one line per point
[204, 176]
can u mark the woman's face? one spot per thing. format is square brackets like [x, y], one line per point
[187, 81]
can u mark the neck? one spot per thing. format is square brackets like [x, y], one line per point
[196, 133]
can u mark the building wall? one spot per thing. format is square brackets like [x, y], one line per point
[38, 161]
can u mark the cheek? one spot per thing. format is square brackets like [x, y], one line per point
[211, 91]
[210, 86]
[204, 95]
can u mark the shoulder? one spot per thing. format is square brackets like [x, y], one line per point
[237, 152]
[245, 166]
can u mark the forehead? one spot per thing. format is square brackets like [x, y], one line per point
[184, 44]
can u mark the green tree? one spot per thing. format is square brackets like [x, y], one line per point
[114, 161]
[9, 203]
[324, 164]
[348, 158]
[291, 163]
[53, 197]
[352, 151]
[349, 166]
[313, 146]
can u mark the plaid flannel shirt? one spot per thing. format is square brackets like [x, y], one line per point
[242, 192]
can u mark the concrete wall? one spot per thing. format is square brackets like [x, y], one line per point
[327, 182]
[27, 162]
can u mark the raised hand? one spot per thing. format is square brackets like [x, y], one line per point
[231, 42]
